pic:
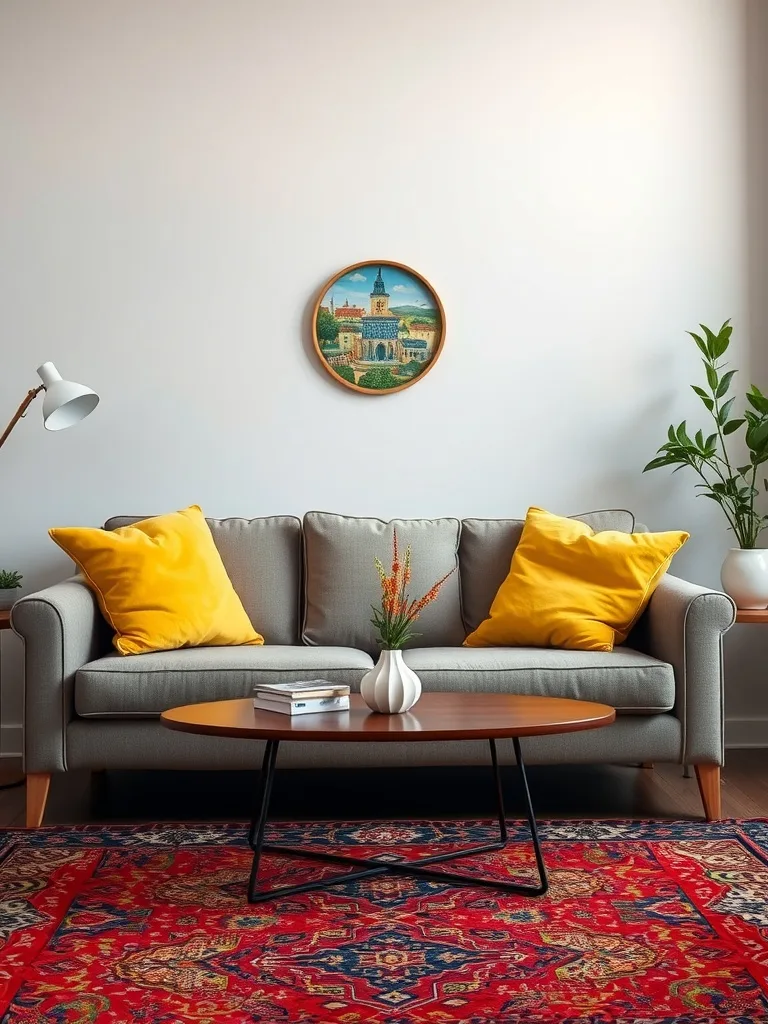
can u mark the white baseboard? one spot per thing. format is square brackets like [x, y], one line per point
[10, 741]
[746, 732]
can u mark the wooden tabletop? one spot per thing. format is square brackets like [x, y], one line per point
[752, 615]
[437, 716]
[5, 618]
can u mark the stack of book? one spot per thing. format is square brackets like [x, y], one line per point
[303, 698]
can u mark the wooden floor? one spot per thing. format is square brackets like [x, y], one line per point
[567, 792]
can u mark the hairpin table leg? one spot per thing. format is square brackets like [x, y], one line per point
[370, 867]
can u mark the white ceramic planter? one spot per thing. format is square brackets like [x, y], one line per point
[390, 687]
[744, 576]
[8, 597]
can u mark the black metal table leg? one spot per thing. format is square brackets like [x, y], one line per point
[372, 867]
[257, 844]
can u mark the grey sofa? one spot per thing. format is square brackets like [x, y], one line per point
[308, 587]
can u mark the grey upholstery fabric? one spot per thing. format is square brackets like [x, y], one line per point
[486, 550]
[632, 682]
[684, 625]
[147, 684]
[133, 743]
[263, 559]
[62, 628]
[342, 583]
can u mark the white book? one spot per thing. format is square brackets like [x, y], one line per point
[308, 706]
[300, 690]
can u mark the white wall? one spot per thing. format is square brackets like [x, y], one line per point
[177, 179]
[746, 646]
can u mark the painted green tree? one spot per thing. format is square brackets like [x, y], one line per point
[412, 368]
[327, 327]
[379, 378]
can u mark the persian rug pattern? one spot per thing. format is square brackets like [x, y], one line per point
[647, 923]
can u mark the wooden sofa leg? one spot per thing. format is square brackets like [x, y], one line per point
[38, 784]
[708, 778]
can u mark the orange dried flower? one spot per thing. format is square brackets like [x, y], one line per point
[393, 620]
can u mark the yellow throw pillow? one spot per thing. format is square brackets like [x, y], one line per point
[160, 583]
[571, 587]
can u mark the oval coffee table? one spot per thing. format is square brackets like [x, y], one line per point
[437, 716]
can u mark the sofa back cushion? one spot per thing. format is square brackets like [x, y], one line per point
[263, 559]
[341, 582]
[486, 550]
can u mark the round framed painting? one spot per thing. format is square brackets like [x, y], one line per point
[378, 327]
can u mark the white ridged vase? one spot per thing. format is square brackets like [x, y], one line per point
[744, 576]
[390, 687]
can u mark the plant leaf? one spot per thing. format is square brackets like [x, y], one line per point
[722, 340]
[725, 383]
[757, 436]
[712, 378]
[757, 400]
[732, 425]
[711, 340]
[663, 460]
[682, 435]
[703, 396]
[722, 416]
[699, 341]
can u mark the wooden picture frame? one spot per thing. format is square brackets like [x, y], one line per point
[374, 344]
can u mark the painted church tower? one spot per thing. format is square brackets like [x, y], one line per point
[378, 336]
[379, 297]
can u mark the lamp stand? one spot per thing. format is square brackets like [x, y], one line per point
[28, 398]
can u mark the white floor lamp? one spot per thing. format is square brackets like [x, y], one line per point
[65, 404]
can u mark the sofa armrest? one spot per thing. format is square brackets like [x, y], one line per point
[62, 629]
[684, 625]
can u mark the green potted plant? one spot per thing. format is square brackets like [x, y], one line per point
[10, 582]
[744, 573]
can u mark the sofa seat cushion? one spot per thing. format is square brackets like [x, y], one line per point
[631, 682]
[147, 684]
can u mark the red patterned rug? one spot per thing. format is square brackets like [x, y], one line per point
[643, 923]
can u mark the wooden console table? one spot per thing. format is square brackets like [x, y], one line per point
[752, 615]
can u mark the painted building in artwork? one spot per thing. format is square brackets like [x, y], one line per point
[349, 335]
[423, 330]
[378, 342]
[347, 312]
[413, 348]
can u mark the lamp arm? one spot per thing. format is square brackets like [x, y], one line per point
[29, 397]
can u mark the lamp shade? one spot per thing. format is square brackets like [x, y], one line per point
[65, 402]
